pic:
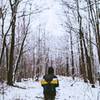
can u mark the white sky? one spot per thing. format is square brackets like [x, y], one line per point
[50, 19]
[54, 23]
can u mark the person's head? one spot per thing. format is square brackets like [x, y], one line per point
[50, 70]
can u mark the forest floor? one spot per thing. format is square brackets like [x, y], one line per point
[67, 90]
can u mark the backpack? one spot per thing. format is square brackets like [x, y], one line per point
[49, 89]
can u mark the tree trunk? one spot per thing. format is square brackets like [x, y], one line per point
[89, 66]
[11, 55]
[67, 66]
[72, 58]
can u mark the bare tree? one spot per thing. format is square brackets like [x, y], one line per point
[14, 5]
[93, 10]
[25, 31]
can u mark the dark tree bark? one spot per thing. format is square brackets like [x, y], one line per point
[25, 31]
[82, 67]
[11, 55]
[89, 66]
[72, 58]
[94, 19]
[67, 66]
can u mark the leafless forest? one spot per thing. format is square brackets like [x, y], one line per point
[27, 51]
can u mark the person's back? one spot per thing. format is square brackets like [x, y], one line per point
[49, 83]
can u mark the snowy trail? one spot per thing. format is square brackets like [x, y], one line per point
[79, 90]
[33, 91]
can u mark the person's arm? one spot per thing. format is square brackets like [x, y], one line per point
[43, 82]
[55, 82]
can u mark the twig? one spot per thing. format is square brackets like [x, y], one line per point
[18, 87]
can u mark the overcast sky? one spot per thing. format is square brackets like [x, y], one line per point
[50, 18]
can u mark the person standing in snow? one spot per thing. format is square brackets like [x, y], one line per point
[49, 83]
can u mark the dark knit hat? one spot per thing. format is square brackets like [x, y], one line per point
[50, 70]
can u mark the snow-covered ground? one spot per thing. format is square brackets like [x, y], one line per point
[31, 90]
